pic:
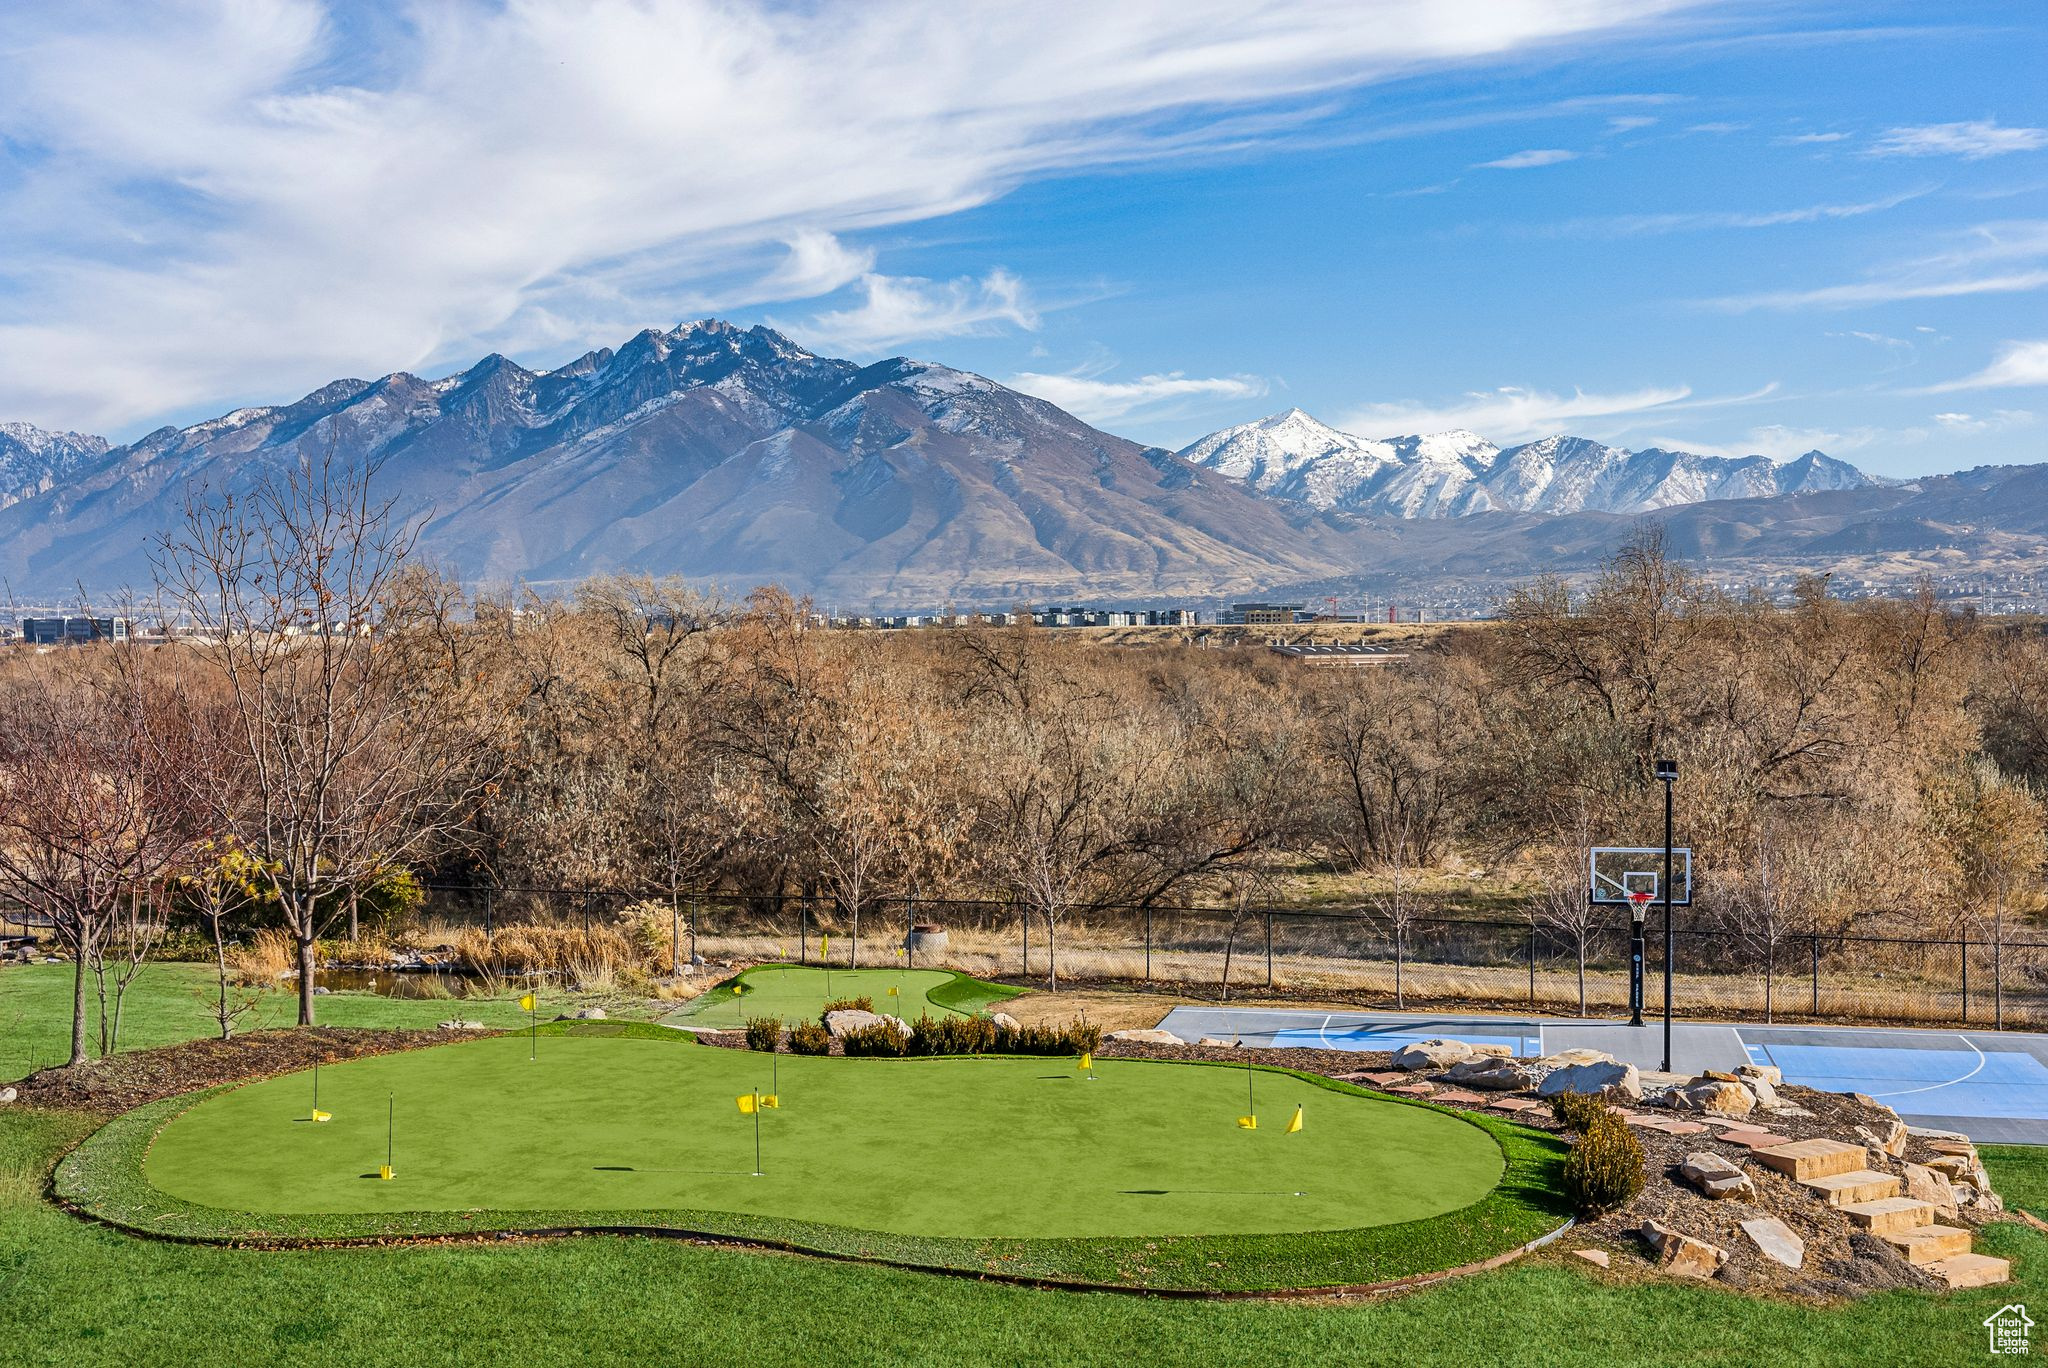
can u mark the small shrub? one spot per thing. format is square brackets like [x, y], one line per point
[878, 1040]
[809, 1038]
[1604, 1171]
[764, 1034]
[1578, 1112]
[1047, 1040]
[1084, 1037]
[952, 1035]
[859, 1004]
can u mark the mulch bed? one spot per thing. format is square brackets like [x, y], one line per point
[127, 1081]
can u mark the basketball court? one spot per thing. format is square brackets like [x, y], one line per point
[1991, 1086]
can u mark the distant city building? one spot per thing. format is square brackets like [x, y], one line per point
[1262, 614]
[72, 631]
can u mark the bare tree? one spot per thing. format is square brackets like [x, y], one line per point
[348, 763]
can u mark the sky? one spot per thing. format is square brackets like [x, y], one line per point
[1730, 228]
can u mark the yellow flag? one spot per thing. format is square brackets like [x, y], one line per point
[1248, 1122]
[746, 1101]
[824, 946]
[738, 988]
[1087, 1060]
[384, 1172]
[319, 1115]
[1295, 1124]
[526, 1003]
[892, 990]
[770, 1102]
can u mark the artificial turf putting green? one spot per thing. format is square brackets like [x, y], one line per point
[987, 1147]
[798, 992]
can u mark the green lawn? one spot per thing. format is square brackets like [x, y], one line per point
[173, 1002]
[1019, 1148]
[76, 1293]
[795, 992]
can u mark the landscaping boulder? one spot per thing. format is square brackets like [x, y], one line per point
[7, 1095]
[1716, 1177]
[1775, 1241]
[1004, 1021]
[1769, 1073]
[1889, 1138]
[1575, 1056]
[1923, 1184]
[1147, 1037]
[840, 1022]
[1213, 1043]
[1490, 1073]
[1682, 1255]
[460, 1025]
[1431, 1055]
[1608, 1079]
[1721, 1096]
[587, 1014]
[1596, 1257]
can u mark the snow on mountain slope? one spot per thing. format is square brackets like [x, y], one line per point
[1449, 474]
[32, 460]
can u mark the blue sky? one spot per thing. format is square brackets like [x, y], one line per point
[1738, 227]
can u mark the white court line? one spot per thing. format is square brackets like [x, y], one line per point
[1323, 1031]
[1981, 1061]
[1905, 1092]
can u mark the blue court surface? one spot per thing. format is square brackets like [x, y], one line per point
[1991, 1086]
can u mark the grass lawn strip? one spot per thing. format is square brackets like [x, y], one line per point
[70, 1293]
[797, 992]
[105, 1178]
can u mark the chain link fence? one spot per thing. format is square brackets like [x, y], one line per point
[1358, 955]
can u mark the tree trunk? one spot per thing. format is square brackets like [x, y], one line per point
[1582, 978]
[220, 965]
[1400, 990]
[354, 926]
[1229, 947]
[78, 1005]
[1052, 969]
[305, 979]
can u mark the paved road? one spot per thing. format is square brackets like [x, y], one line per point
[1992, 1086]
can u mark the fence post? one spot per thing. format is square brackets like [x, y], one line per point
[1963, 953]
[1269, 948]
[1148, 942]
[803, 932]
[1814, 943]
[1531, 954]
[1024, 919]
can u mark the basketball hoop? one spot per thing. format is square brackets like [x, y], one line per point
[1639, 903]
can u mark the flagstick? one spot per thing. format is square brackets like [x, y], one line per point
[316, 1089]
[390, 1120]
[757, 1135]
[533, 1028]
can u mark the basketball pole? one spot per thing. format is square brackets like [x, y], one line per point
[1667, 770]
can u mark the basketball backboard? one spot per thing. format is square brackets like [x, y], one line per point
[1614, 872]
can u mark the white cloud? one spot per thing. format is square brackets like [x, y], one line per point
[1535, 156]
[1998, 420]
[1627, 123]
[2020, 365]
[1628, 225]
[1508, 414]
[1097, 400]
[1972, 141]
[1720, 126]
[905, 309]
[1992, 258]
[1801, 139]
[818, 263]
[226, 199]
[1782, 442]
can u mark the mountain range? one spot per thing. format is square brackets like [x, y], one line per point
[1451, 474]
[732, 454]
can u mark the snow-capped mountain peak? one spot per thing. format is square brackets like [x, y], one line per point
[1292, 455]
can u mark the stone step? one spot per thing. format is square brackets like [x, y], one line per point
[1859, 1185]
[1890, 1215]
[1930, 1243]
[1972, 1270]
[1804, 1159]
